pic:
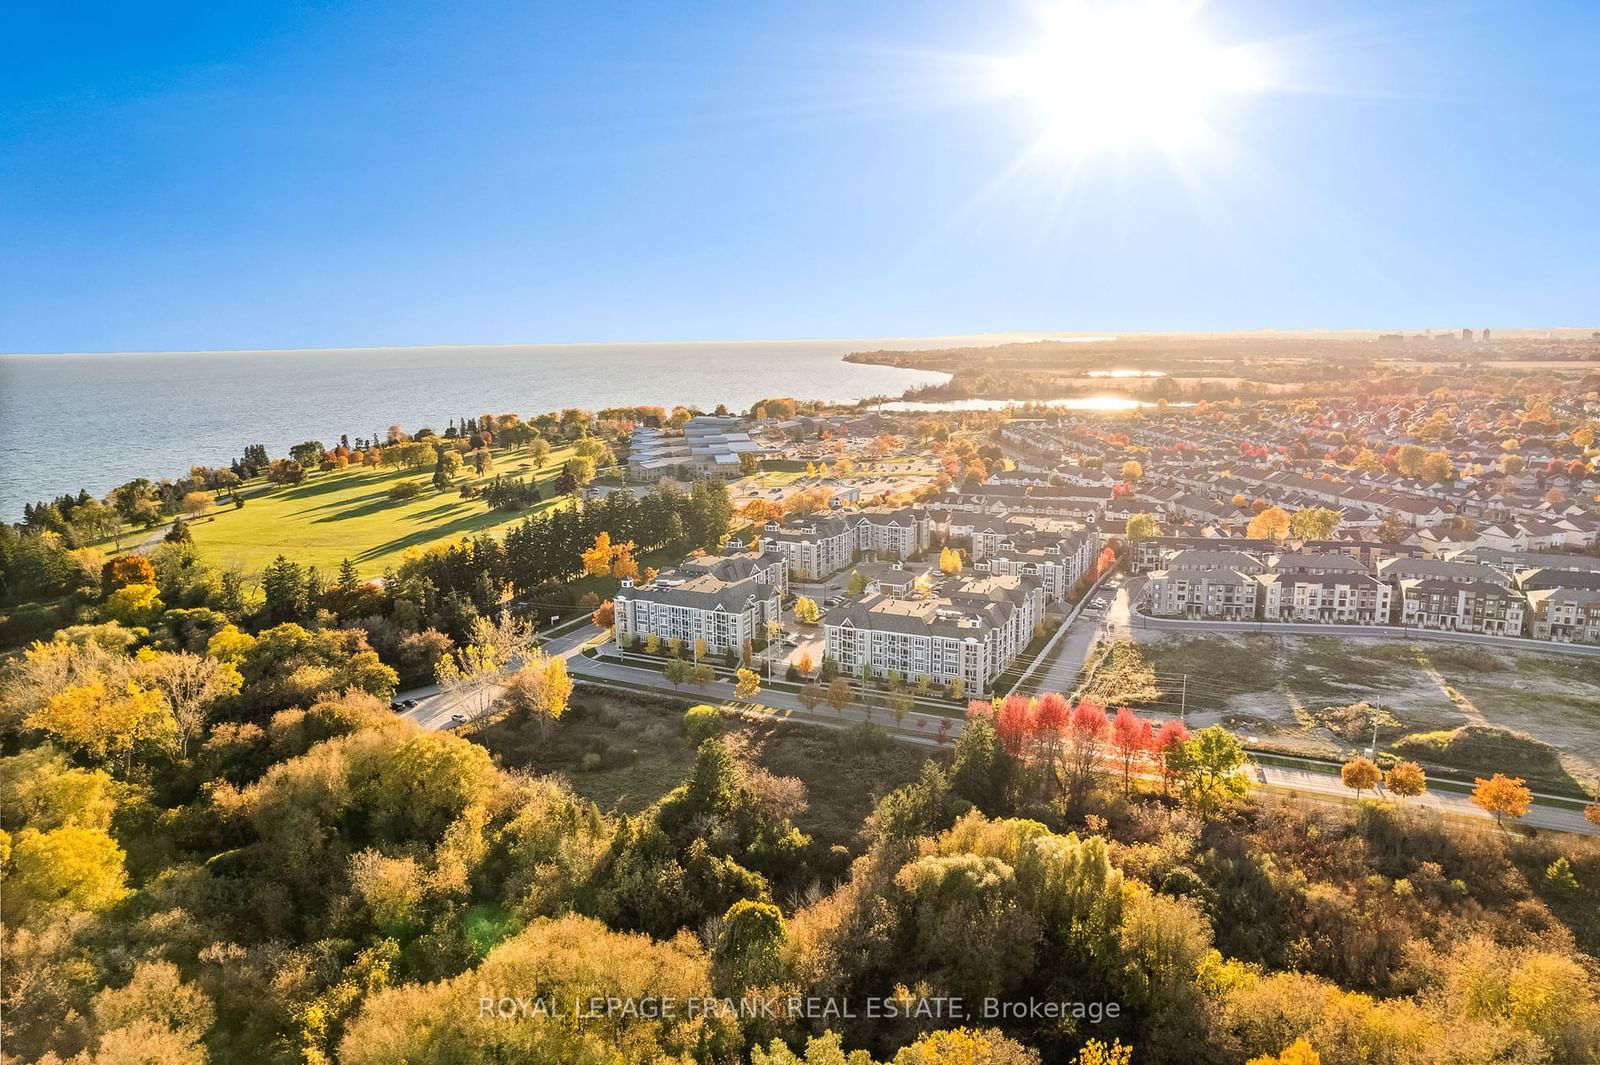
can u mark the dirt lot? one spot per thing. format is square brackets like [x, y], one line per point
[643, 754]
[1273, 686]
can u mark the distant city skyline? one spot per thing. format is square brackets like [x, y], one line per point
[262, 176]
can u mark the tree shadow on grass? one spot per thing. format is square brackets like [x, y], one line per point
[461, 526]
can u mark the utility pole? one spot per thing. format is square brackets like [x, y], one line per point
[1183, 701]
[1372, 752]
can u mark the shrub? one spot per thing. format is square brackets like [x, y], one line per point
[403, 490]
[702, 722]
[592, 761]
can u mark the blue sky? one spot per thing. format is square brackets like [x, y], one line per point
[233, 175]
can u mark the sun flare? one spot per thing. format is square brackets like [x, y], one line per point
[1118, 75]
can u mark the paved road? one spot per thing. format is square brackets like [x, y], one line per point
[1072, 657]
[433, 711]
[434, 707]
[1325, 785]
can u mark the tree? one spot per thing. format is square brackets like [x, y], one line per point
[749, 463]
[805, 611]
[1132, 471]
[1392, 529]
[285, 471]
[136, 606]
[1209, 765]
[194, 504]
[71, 868]
[1297, 1053]
[1095, 1052]
[541, 689]
[473, 675]
[949, 561]
[124, 570]
[677, 672]
[857, 585]
[1359, 774]
[1502, 796]
[811, 696]
[106, 722]
[839, 694]
[1132, 737]
[1591, 813]
[1142, 527]
[1270, 524]
[580, 468]
[597, 559]
[1406, 780]
[191, 684]
[747, 682]
[1314, 523]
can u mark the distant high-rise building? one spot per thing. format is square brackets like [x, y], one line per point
[1466, 334]
[1485, 335]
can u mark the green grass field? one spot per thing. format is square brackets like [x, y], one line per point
[348, 514]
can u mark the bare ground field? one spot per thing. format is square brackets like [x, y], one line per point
[1275, 687]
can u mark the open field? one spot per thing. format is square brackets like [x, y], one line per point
[1275, 687]
[644, 754]
[348, 514]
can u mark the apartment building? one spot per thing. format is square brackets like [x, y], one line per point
[1568, 615]
[1461, 606]
[1346, 597]
[1220, 594]
[890, 533]
[1055, 561]
[815, 546]
[736, 564]
[973, 631]
[697, 604]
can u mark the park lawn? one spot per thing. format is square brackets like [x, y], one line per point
[344, 514]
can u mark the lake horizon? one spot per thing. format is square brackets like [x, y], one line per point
[156, 414]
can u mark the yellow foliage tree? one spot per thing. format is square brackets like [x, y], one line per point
[1298, 1052]
[949, 561]
[1502, 796]
[1406, 780]
[1359, 774]
[106, 723]
[747, 682]
[597, 559]
[1270, 524]
[135, 605]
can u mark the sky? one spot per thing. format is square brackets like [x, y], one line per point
[200, 176]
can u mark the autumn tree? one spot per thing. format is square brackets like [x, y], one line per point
[1359, 774]
[1132, 471]
[1314, 523]
[1132, 738]
[1297, 1053]
[1502, 796]
[1406, 780]
[1142, 527]
[192, 686]
[747, 682]
[1210, 765]
[1270, 524]
[106, 721]
[949, 561]
[839, 694]
[805, 610]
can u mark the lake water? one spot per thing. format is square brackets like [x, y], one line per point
[96, 421]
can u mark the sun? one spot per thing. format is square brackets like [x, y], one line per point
[1143, 72]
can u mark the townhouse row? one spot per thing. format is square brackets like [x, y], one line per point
[1463, 595]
